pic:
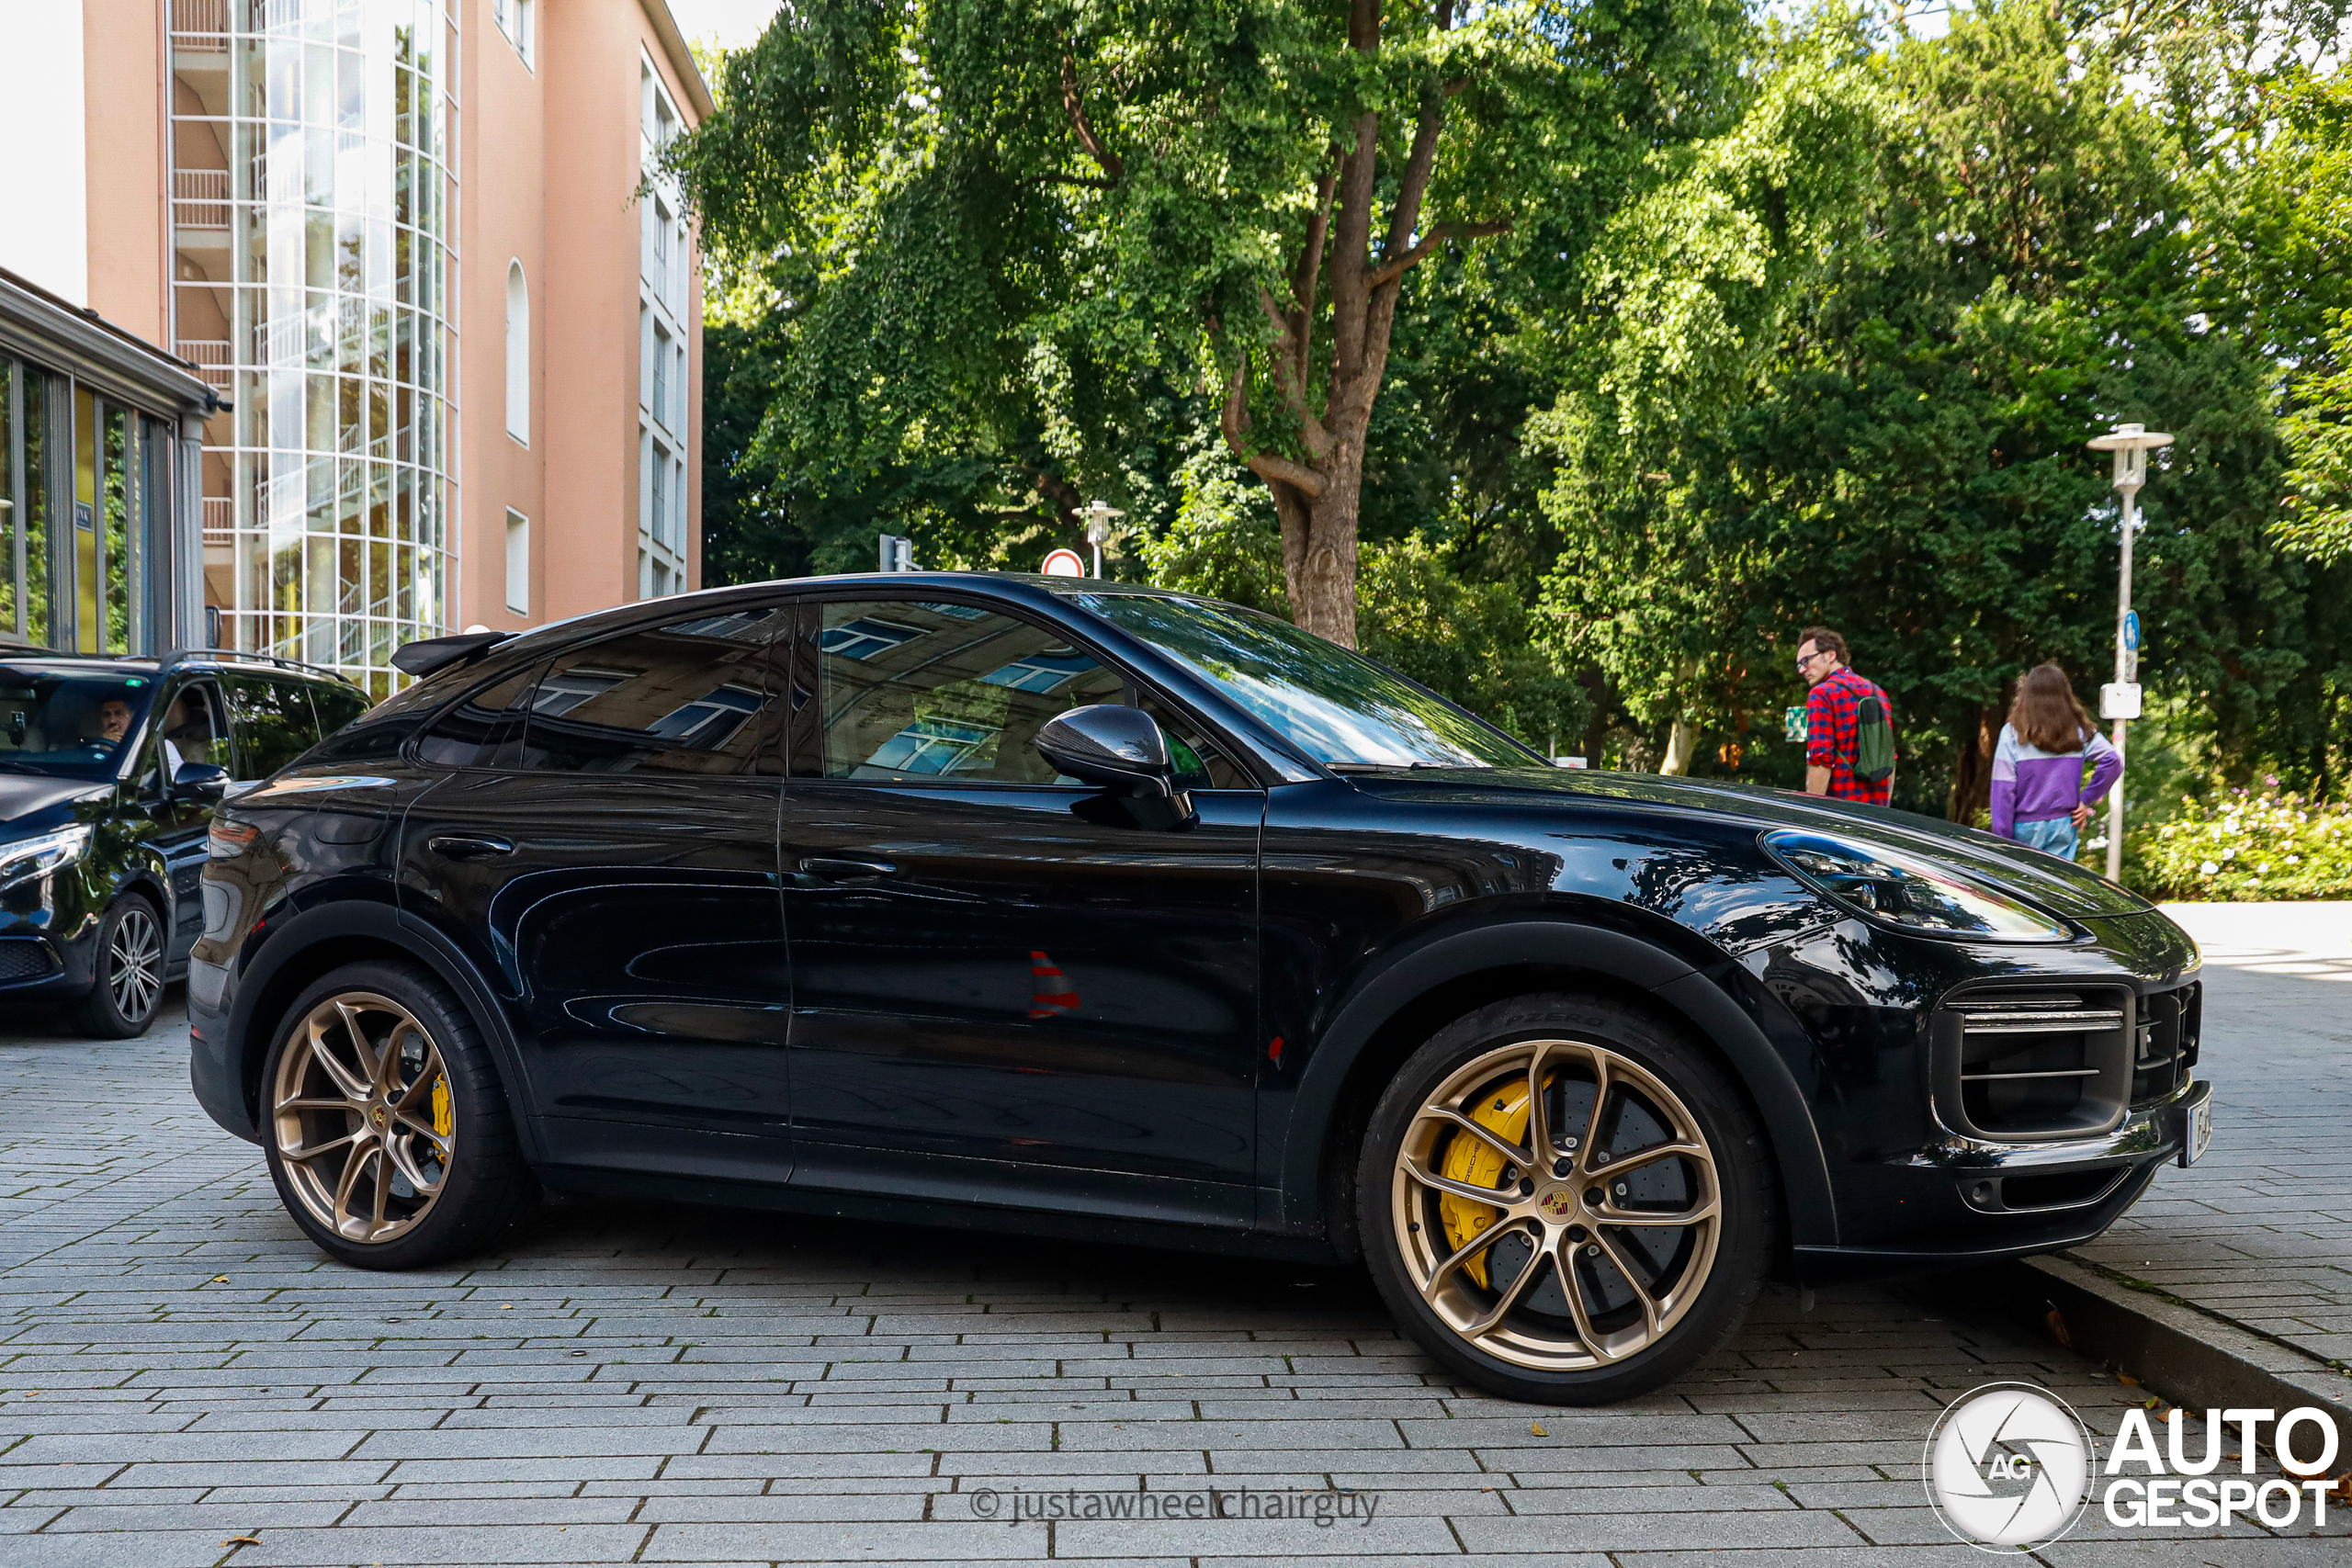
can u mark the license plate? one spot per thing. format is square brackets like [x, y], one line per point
[2200, 1131]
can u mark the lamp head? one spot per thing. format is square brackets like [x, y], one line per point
[2131, 444]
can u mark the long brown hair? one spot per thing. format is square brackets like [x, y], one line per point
[2047, 714]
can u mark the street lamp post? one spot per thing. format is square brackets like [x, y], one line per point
[2131, 444]
[1098, 514]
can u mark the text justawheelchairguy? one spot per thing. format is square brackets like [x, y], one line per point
[1321, 1506]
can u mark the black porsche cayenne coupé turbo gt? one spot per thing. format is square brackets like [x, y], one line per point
[1055, 905]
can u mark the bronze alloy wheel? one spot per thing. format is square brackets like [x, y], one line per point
[363, 1119]
[1556, 1205]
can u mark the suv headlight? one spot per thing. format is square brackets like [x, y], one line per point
[38, 856]
[1887, 884]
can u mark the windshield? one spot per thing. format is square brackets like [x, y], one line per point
[1336, 706]
[69, 720]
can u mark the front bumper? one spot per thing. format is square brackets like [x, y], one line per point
[1986, 1202]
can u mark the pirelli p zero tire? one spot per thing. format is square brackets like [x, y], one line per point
[387, 1130]
[1564, 1200]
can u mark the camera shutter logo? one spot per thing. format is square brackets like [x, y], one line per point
[2009, 1467]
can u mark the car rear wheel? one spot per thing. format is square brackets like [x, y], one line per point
[1565, 1202]
[388, 1134]
[130, 973]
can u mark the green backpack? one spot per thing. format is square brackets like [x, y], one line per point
[1874, 742]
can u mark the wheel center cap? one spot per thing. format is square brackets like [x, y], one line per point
[1556, 1204]
[380, 1117]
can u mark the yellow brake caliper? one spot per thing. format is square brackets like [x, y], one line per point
[1467, 1159]
[442, 1117]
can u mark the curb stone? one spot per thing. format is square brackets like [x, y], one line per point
[2194, 1359]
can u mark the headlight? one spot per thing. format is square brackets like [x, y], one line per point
[1887, 884]
[29, 858]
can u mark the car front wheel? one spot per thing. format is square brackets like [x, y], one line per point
[388, 1134]
[130, 973]
[1565, 1202]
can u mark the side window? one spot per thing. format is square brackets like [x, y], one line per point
[909, 690]
[272, 720]
[486, 729]
[336, 706]
[1201, 763]
[192, 729]
[690, 697]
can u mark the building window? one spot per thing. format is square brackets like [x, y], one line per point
[662, 414]
[315, 264]
[665, 515]
[661, 223]
[515, 19]
[518, 563]
[518, 353]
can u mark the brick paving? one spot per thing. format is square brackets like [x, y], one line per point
[2260, 1230]
[642, 1384]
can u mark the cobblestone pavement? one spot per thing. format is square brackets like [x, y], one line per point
[2260, 1230]
[183, 1381]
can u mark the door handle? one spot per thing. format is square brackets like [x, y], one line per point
[468, 846]
[826, 870]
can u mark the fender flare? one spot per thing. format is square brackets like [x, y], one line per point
[380, 922]
[1678, 986]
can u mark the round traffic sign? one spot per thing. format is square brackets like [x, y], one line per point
[1065, 563]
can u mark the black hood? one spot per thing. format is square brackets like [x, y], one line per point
[2057, 885]
[25, 799]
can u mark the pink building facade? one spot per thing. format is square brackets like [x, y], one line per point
[423, 250]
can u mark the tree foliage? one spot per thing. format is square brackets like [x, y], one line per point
[1779, 323]
[1841, 370]
[1012, 238]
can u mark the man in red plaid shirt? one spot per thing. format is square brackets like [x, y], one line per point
[1831, 712]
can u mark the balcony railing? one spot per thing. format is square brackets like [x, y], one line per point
[210, 358]
[200, 25]
[219, 519]
[200, 198]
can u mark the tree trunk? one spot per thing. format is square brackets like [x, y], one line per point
[1682, 744]
[1322, 576]
[1320, 499]
[1971, 766]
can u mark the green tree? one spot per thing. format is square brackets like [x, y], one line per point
[1015, 240]
[1855, 355]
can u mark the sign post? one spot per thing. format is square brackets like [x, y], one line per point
[2120, 700]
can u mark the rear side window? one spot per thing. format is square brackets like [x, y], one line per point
[192, 730]
[690, 697]
[486, 729]
[272, 719]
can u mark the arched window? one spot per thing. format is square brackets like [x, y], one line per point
[518, 355]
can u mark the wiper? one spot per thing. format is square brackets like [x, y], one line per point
[1395, 767]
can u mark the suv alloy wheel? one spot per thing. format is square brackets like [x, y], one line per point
[1564, 1201]
[388, 1134]
[130, 980]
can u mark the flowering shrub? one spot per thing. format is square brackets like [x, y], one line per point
[2244, 846]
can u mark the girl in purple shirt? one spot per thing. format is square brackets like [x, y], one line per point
[2039, 796]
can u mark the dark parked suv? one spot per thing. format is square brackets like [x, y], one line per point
[109, 770]
[1067, 906]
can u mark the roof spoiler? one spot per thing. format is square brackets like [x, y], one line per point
[432, 654]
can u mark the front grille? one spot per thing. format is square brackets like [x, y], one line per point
[25, 958]
[2164, 1043]
[2042, 1064]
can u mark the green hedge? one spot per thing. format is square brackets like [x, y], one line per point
[2246, 846]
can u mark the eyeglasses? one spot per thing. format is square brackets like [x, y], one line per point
[1805, 659]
